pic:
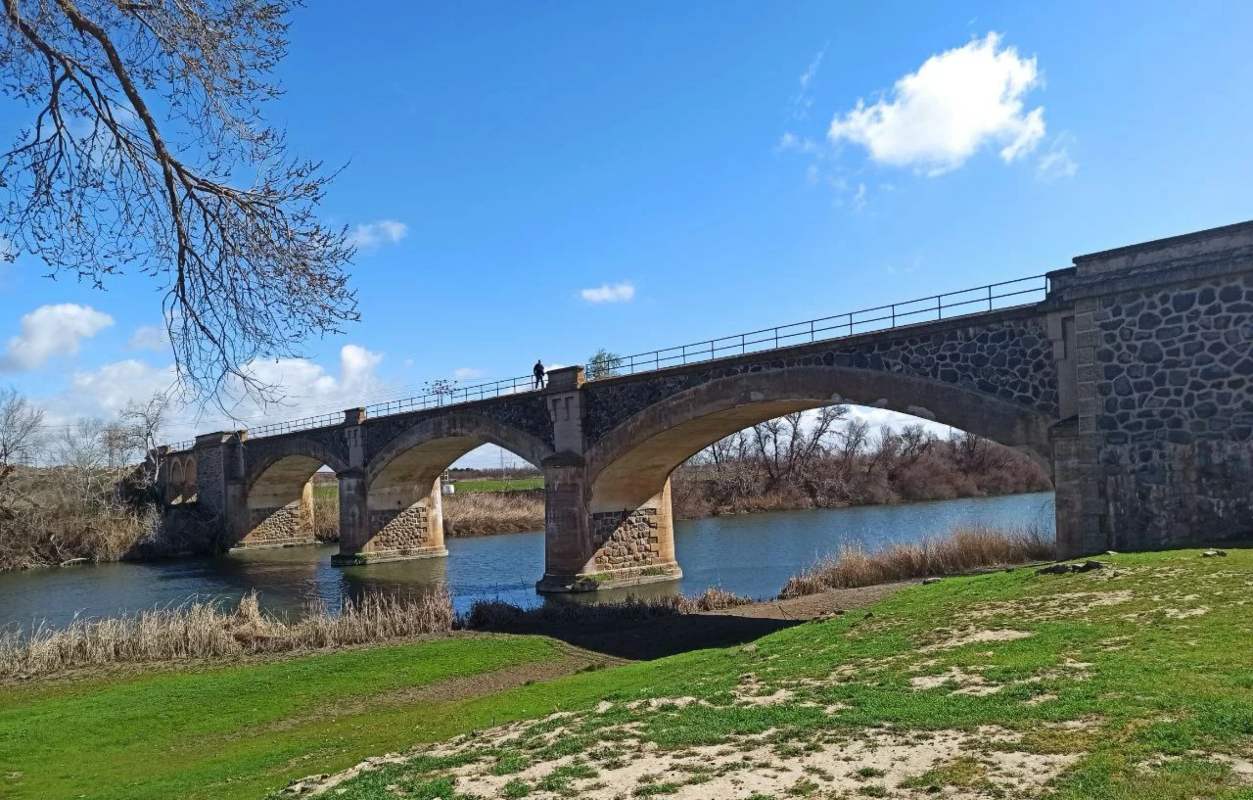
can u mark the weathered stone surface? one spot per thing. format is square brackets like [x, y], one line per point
[1010, 359]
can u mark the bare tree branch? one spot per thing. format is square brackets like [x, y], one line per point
[224, 219]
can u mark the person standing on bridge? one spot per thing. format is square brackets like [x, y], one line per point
[538, 372]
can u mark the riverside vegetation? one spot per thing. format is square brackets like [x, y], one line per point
[1130, 681]
[826, 460]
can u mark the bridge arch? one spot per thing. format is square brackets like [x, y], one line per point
[431, 445]
[174, 490]
[631, 463]
[278, 485]
[619, 509]
[402, 513]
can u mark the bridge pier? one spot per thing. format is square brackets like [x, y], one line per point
[588, 549]
[591, 544]
[388, 524]
[275, 519]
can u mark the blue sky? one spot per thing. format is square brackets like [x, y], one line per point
[707, 164]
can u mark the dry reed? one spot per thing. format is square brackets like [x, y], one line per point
[205, 631]
[480, 513]
[964, 550]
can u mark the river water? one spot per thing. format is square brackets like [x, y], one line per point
[752, 555]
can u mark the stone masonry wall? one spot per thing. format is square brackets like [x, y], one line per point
[1170, 399]
[1008, 358]
[285, 524]
[623, 540]
[400, 529]
[209, 480]
[523, 412]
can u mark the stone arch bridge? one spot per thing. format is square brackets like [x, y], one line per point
[1129, 373]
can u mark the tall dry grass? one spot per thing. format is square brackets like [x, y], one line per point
[468, 514]
[208, 631]
[481, 513]
[963, 550]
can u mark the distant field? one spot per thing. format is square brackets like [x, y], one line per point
[499, 485]
[464, 486]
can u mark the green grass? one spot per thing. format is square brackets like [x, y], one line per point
[237, 731]
[1157, 694]
[529, 482]
[1164, 688]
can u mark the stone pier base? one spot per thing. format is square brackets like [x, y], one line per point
[389, 524]
[591, 549]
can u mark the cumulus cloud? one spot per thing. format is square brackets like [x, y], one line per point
[956, 103]
[370, 235]
[149, 337]
[622, 292]
[52, 330]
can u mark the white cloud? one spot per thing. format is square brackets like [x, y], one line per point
[1057, 162]
[622, 292]
[370, 235]
[859, 199]
[467, 373]
[803, 101]
[8, 250]
[794, 143]
[105, 391]
[956, 103]
[51, 331]
[149, 337]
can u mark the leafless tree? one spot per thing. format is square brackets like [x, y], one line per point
[20, 426]
[973, 454]
[442, 388]
[146, 152]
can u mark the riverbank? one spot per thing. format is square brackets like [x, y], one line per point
[1127, 681]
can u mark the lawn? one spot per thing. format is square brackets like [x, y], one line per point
[1130, 682]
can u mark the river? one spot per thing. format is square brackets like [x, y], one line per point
[751, 554]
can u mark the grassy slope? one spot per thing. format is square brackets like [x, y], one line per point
[1160, 674]
[1169, 673]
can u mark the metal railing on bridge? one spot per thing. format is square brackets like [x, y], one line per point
[850, 323]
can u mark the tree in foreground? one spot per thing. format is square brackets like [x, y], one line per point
[146, 152]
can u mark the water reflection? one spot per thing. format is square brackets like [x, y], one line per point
[751, 554]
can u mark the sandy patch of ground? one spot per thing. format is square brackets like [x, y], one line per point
[1051, 607]
[884, 760]
[963, 638]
